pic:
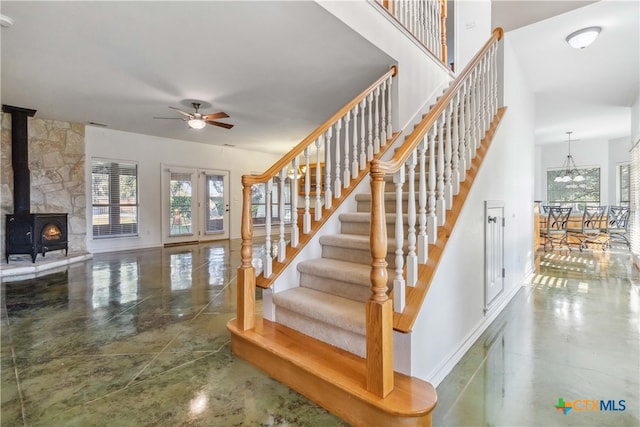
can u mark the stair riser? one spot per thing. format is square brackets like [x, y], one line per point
[352, 255]
[347, 290]
[346, 340]
[389, 206]
[362, 228]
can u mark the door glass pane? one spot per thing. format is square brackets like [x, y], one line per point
[215, 204]
[180, 204]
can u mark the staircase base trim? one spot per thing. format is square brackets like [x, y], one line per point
[332, 378]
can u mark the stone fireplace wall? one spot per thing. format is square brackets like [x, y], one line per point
[57, 168]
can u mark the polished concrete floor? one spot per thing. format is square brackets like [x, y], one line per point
[138, 338]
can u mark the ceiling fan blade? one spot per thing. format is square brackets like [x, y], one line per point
[182, 112]
[220, 115]
[170, 118]
[222, 125]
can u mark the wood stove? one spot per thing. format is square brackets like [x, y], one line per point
[29, 233]
[32, 234]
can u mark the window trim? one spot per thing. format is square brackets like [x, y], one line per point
[105, 231]
[575, 203]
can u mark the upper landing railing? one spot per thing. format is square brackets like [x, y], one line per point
[425, 19]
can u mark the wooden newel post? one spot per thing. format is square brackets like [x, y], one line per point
[246, 271]
[379, 307]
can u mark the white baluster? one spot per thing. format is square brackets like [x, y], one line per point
[376, 132]
[328, 199]
[347, 148]
[337, 182]
[363, 153]
[306, 219]
[492, 80]
[268, 259]
[412, 258]
[448, 187]
[494, 95]
[295, 231]
[473, 115]
[318, 207]
[441, 206]
[478, 113]
[483, 97]
[432, 218]
[455, 144]
[370, 127]
[389, 125]
[398, 282]
[355, 167]
[383, 114]
[468, 139]
[423, 243]
[282, 243]
[462, 150]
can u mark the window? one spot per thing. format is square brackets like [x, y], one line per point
[259, 202]
[624, 184]
[575, 194]
[114, 198]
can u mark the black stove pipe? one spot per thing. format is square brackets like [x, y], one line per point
[20, 158]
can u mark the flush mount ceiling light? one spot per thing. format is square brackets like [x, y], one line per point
[583, 38]
[6, 21]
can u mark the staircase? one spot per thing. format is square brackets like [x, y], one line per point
[329, 303]
[331, 338]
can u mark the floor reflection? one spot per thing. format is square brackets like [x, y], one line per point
[137, 338]
[572, 332]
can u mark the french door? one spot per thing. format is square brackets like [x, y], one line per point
[195, 204]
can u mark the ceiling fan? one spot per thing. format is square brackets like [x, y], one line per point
[197, 120]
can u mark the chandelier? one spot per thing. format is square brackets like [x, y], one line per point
[569, 173]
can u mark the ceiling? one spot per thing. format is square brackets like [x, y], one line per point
[280, 68]
[589, 91]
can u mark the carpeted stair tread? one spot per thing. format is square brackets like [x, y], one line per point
[326, 308]
[345, 271]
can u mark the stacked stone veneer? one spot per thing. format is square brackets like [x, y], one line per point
[57, 166]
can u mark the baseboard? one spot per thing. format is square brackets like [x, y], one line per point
[441, 371]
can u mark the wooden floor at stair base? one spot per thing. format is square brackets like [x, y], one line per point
[333, 378]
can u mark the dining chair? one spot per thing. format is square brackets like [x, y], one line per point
[617, 225]
[555, 230]
[591, 227]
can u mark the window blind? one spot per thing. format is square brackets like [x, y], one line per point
[114, 198]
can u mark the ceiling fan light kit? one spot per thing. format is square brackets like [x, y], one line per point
[583, 38]
[197, 120]
[196, 123]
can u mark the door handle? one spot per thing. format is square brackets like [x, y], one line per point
[493, 219]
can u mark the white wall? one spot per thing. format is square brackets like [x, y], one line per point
[635, 120]
[150, 152]
[472, 20]
[453, 316]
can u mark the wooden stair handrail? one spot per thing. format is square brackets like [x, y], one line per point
[298, 149]
[412, 141]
